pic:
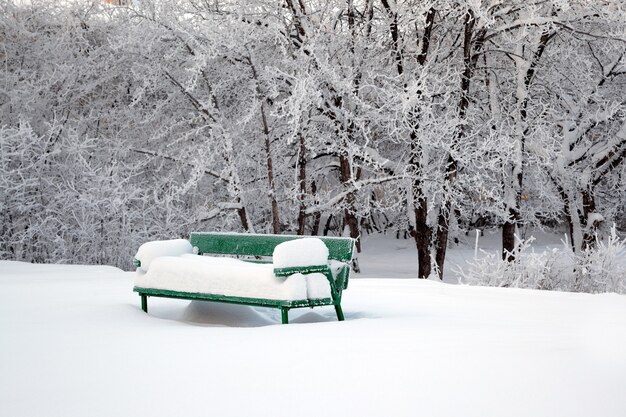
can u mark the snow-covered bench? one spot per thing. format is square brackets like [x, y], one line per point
[279, 271]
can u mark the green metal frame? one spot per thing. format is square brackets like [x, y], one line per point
[340, 249]
[283, 305]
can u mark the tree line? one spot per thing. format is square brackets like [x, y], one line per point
[121, 124]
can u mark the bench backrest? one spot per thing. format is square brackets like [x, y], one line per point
[339, 248]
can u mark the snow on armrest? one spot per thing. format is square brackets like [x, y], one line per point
[336, 266]
[155, 249]
[300, 255]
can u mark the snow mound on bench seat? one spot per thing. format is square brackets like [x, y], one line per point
[300, 252]
[155, 249]
[221, 276]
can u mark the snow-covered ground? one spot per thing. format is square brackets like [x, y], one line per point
[74, 342]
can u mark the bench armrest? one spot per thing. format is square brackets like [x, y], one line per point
[285, 272]
[342, 276]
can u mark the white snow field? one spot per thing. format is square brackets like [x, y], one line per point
[75, 343]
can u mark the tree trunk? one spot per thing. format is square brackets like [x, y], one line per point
[327, 226]
[270, 176]
[302, 184]
[508, 239]
[591, 225]
[276, 229]
[317, 217]
[349, 216]
[422, 234]
[572, 219]
[472, 44]
[243, 217]
[509, 227]
[393, 29]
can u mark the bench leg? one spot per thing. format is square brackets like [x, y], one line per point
[339, 312]
[144, 302]
[284, 313]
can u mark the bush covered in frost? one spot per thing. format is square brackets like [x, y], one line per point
[598, 269]
[602, 269]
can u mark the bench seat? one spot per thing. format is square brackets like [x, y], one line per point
[230, 277]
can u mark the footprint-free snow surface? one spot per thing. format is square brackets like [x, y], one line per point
[75, 343]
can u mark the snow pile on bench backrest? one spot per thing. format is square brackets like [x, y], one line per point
[151, 250]
[300, 252]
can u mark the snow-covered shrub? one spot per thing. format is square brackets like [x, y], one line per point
[602, 268]
[529, 270]
[598, 269]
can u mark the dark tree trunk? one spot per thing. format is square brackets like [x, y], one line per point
[243, 217]
[302, 184]
[508, 239]
[327, 226]
[349, 216]
[570, 224]
[567, 210]
[344, 163]
[442, 239]
[422, 235]
[270, 176]
[589, 207]
[317, 217]
[268, 155]
[472, 45]
[443, 220]
[509, 227]
[393, 29]
[573, 216]
[428, 30]
[422, 232]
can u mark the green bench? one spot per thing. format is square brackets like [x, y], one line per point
[259, 248]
